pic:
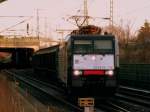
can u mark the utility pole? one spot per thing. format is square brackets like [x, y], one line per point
[45, 27]
[85, 13]
[37, 27]
[61, 31]
[111, 12]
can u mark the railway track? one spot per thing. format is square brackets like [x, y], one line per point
[111, 107]
[44, 92]
[141, 97]
[125, 100]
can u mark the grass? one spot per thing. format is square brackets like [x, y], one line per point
[9, 101]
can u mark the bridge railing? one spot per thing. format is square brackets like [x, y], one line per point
[30, 42]
[18, 42]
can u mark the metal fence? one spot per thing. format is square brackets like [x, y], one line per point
[135, 75]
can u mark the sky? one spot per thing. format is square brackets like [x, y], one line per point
[54, 14]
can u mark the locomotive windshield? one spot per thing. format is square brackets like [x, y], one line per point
[83, 46]
[103, 45]
[90, 46]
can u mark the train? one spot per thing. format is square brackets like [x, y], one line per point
[86, 63]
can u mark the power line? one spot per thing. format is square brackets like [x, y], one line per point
[15, 16]
[15, 25]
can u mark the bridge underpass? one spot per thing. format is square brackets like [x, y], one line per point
[18, 51]
[15, 57]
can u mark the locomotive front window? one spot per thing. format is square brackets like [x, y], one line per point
[83, 46]
[103, 45]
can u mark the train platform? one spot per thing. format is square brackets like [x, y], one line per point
[14, 99]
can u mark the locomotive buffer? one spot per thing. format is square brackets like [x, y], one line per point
[87, 103]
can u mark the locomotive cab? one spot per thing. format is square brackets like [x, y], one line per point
[93, 63]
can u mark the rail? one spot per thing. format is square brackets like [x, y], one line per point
[127, 99]
[42, 92]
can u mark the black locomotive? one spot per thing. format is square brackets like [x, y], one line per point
[84, 64]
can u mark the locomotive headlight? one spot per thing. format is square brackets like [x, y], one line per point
[77, 72]
[109, 72]
[93, 58]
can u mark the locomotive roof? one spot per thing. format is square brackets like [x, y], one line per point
[50, 49]
[78, 37]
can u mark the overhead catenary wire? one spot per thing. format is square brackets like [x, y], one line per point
[15, 16]
[15, 25]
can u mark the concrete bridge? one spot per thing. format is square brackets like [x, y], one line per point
[26, 42]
